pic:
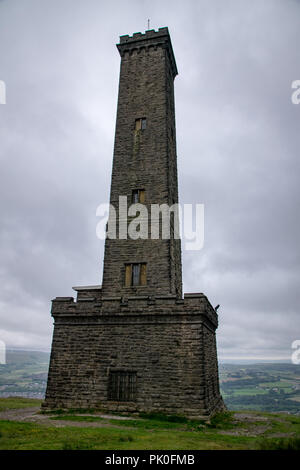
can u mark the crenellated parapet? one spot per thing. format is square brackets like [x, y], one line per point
[192, 308]
[145, 41]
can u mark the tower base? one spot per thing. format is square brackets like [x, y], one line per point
[139, 354]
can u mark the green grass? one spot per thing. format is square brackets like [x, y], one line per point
[80, 419]
[18, 402]
[279, 444]
[246, 391]
[275, 384]
[144, 424]
[158, 422]
[26, 436]
[149, 432]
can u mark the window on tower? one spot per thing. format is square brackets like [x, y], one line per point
[140, 124]
[122, 386]
[138, 196]
[135, 274]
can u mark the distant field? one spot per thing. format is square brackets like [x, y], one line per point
[248, 391]
[295, 399]
[264, 387]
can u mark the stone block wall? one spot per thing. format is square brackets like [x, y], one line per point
[167, 343]
[145, 159]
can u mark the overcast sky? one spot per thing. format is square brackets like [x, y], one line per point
[238, 144]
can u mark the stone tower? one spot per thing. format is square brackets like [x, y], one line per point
[144, 161]
[135, 343]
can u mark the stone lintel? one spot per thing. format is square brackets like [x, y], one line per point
[80, 288]
[182, 319]
[193, 295]
[63, 299]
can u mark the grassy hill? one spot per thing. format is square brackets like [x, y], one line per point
[24, 374]
[24, 428]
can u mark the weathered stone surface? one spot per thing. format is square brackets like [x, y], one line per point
[166, 340]
[145, 159]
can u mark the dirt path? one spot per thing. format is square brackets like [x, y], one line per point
[33, 415]
[254, 425]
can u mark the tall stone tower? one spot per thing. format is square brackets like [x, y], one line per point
[144, 164]
[135, 343]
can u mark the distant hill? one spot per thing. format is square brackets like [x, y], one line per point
[262, 387]
[24, 374]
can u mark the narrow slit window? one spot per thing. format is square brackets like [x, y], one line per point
[135, 196]
[135, 274]
[138, 196]
[140, 124]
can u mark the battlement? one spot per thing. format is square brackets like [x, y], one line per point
[149, 39]
[89, 303]
[149, 34]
